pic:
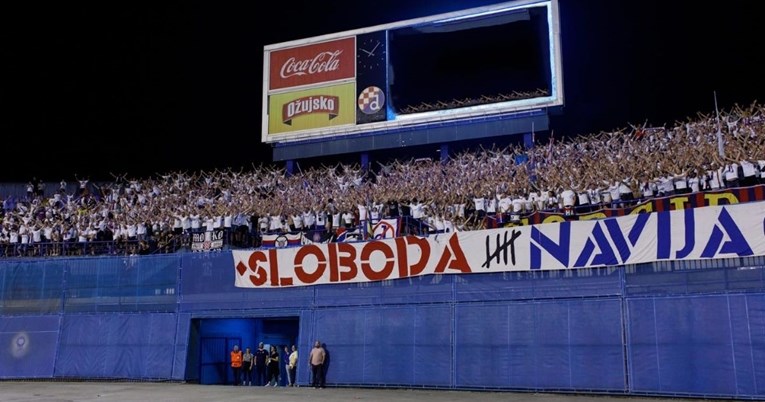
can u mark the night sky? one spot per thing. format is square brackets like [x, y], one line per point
[90, 88]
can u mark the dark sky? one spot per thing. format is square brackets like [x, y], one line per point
[142, 87]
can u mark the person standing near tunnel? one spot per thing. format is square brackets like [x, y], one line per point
[247, 360]
[316, 361]
[273, 367]
[236, 364]
[260, 364]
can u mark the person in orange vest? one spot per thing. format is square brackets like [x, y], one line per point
[236, 364]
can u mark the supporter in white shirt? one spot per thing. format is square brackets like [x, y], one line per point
[309, 219]
[625, 192]
[13, 236]
[531, 202]
[480, 206]
[363, 212]
[347, 218]
[196, 223]
[595, 199]
[730, 175]
[321, 220]
[417, 209]
[491, 205]
[749, 172]
[568, 198]
[694, 183]
[297, 222]
[648, 188]
[275, 223]
[583, 197]
[48, 232]
[666, 186]
[681, 184]
[448, 225]
[36, 234]
[712, 180]
[519, 203]
[336, 219]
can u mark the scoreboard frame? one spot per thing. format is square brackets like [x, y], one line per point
[313, 82]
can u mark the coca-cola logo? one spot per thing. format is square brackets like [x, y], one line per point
[323, 62]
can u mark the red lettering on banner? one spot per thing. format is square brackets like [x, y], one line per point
[273, 263]
[334, 274]
[342, 255]
[302, 253]
[347, 261]
[260, 276]
[405, 269]
[453, 257]
[241, 268]
[366, 267]
[286, 282]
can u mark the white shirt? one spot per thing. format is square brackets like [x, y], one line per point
[363, 212]
[568, 197]
[480, 204]
[584, 198]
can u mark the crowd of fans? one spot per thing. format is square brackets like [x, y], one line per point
[608, 169]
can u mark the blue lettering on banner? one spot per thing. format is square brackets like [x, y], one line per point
[663, 235]
[606, 255]
[559, 250]
[690, 234]
[607, 244]
[624, 250]
[736, 245]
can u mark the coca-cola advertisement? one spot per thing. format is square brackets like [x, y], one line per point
[313, 64]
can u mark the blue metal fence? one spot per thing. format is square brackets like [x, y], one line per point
[668, 328]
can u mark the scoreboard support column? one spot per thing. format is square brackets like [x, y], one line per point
[444, 153]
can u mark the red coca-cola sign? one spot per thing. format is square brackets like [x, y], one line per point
[313, 64]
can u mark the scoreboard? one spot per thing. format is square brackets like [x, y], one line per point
[488, 62]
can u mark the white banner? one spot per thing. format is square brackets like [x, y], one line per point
[282, 240]
[385, 229]
[699, 233]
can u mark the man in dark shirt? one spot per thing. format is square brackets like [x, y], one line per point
[260, 364]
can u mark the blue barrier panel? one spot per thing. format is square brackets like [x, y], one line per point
[122, 284]
[698, 276]
[421, 289]
[207, 283]
[747, 324]
[117, 346]
[346, 333]
[28, 346]
[582, 282]
[597, 345]
[31, 286]
[387, 346]
[682, 345]
[481, 345]
[181, 346]
[390, 358]
[564, 344]
[433, 337]
[306, 338]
